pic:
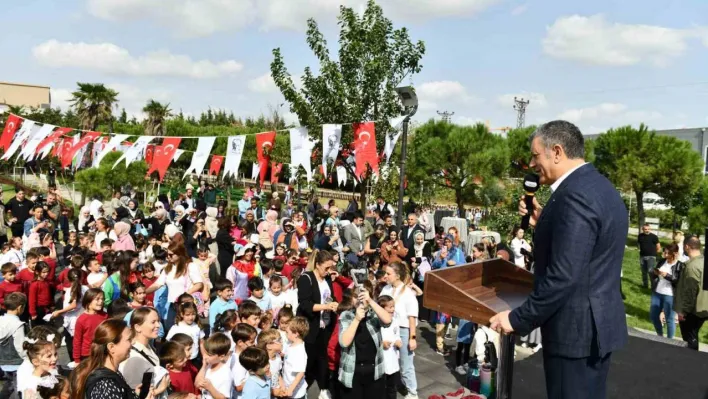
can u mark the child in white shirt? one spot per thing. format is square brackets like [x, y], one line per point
[214, 379]
[391, 344]
[296, 359]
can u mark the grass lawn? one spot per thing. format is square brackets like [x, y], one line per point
[638, 298]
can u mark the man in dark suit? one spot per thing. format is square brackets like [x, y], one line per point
[408, 234]
[579, 243]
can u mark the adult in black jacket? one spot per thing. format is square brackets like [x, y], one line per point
[408, 232]
[225, 245]
[157, 222]
[318, 307]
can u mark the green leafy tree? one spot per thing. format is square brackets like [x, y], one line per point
[93, 103]
[459, 157]
[386, 185]
[373, 59]
[104, 179]
[123, 118]
[697, 214]
[157, 114]
[637, 160]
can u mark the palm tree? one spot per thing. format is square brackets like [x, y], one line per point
[157, 114]
[94, 104]
[18, 110]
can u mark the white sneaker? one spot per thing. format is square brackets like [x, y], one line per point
[411, 396]
[324, 394]
[460, 370]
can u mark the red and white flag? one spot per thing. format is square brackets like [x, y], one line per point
[11, 125]
[163, 156]
[68, 156]
[215, 166]
[365, 147]
[265, 142]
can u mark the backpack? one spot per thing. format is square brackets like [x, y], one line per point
[116, 289]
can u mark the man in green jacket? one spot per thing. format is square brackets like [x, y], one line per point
[690, 300]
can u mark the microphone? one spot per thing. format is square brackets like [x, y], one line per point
[531, 183]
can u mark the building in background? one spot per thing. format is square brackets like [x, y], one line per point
[697, 136]
[24, 95]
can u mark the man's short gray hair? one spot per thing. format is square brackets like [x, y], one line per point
[562, 133]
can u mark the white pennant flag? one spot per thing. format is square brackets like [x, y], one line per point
[28, 151]
[392, 138]
[331, 139]
[255, 171]
[135, 150]
[25, 132]
[341, 176]
[234, 151]
[200, 156]
[300, 150]
[293, 172]
[178, 153]
[108, 147]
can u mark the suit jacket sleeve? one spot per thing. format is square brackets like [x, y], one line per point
[575, 225]
[304, 295]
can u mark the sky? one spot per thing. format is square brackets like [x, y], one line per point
[598, 64]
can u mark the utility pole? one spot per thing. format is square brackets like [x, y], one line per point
[446, 116]
[520, 107]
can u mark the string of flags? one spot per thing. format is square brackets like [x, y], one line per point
[32, 140]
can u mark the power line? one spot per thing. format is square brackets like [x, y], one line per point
[446, 116]
[520, 107]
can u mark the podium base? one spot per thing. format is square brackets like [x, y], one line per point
[505, 369]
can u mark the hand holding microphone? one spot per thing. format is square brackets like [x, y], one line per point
[529, 208]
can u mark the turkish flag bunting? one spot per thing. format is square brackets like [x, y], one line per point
[215, 166]
[275, 169]
[264, 146]
[68, 156]
[11, 125]
[149, 153]
[163, 156]
[55, 138]
[365, 147]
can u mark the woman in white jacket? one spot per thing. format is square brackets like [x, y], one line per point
[517, 244]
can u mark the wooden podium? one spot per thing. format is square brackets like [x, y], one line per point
[476, 292]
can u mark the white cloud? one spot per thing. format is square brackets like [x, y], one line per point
[599, 118]
[592, 113]
[60, 98]
[263, 84]
[206, 17]
[537, 100]
[112, 59]
[520, 9]
[432, 95]
[593, 40]
[465, 120]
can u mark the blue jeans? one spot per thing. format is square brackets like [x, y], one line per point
[407, 366]
[663, 302]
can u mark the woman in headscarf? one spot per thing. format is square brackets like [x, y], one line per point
[449, 255]
[270, 224]
[124, 241]
[85, 222]
[178, 214]
[211, 223]
[290, 235]
[249, 225]
[157, 222]
[420, 263]
[136, 214]
[122, 215]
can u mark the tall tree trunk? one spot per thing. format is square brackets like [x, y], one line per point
[362, 193]
[460, 204]
[640, 210]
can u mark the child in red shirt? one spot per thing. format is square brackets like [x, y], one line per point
[26, 275]
[49, 256]
[87, 323]
[9, 285]
[137, 292]
[40, 297]
[77, 262]
[149, 279]
[174, 359]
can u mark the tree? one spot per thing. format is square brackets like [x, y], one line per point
[104, 179]
[697, 215]
[386, 185]
[459, 157]
[637, 160]
[123, 116]
[157, 114]
[93, 104]
[359, 85]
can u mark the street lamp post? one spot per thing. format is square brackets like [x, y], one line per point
[410, 102]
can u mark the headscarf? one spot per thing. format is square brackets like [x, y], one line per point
[133, 211]
[179, 212]
[171, 230]
[83, 219]
[419, 247]
[210, 222]
[121, 228]
[161, 214]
